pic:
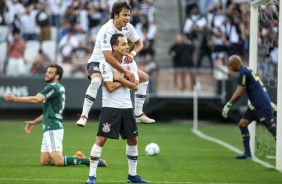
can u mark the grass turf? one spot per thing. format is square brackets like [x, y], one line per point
[184, 157]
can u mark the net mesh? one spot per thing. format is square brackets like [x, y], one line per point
[267, 67]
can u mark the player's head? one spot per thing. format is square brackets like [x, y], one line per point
[119, 44]
[54, 73]
[234, 63]
[121, 12]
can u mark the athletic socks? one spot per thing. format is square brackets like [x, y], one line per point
[94, 159]
[71, 160]
[246, 140]
[140, 97]
[132, 157]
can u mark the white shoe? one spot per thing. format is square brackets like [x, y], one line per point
[144, 119]
[82, 121]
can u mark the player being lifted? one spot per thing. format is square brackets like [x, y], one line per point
[117, 117]
[260, 107]
[119, 23]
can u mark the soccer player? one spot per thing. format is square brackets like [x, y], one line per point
[259, 109]
[119, 23]
[117, 115]
[53, 98]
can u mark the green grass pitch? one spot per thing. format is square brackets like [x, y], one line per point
[184, 157]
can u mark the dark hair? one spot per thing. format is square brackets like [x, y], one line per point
[59, 70]
[114, 39]
[118, 6]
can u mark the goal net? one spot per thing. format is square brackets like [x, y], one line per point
[264, 60]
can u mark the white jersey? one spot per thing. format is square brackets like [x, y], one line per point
[103, 39]
[119, 98]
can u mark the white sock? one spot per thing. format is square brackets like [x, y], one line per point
[140, 96]
[132, 157]
[90, 96]
[94, 159]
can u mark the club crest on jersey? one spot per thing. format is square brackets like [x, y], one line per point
[106, 127]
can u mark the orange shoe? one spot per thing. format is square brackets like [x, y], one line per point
[79, 154]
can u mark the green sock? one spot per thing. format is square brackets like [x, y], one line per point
[71, 160]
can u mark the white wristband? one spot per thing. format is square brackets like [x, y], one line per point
[133, 52]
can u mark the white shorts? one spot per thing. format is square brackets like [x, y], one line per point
[52, 141]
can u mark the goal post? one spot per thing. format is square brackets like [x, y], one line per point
[279, 100]
[253, 59]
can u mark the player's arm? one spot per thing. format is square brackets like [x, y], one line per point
[235, 97]
[31, 124]
[112, 86]
[126, 83]
[114, 63]
[9, 97]
[138, 46]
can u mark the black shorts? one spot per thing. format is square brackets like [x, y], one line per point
[114, 122]
[92, 68]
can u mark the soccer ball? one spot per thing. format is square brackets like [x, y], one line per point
[152, 149]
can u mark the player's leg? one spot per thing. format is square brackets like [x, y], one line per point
[269, 122]
[140, 96]
[243, 125]
[130, 133]
[95, 155]
[91, 92]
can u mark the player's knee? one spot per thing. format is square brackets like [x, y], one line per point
[95, 82]
[58, 162]
[244, 123]
[143, 77]
[44, 163]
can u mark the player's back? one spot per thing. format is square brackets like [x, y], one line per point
[255, 89]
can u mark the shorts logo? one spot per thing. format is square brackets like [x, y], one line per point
[96, 68]
[106, 127]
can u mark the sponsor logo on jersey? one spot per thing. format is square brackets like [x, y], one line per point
[106, 127]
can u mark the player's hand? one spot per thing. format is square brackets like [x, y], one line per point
[226, 109]
[129, 74]
[129, 58]
[29, 125]
[9, 97]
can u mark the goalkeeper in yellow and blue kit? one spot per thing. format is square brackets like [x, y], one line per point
[260, 108]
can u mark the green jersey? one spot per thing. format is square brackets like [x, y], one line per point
[53, 106]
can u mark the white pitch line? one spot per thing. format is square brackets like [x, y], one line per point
[230, 147]
[58, 180]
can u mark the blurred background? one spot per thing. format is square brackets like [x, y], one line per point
[186, 46]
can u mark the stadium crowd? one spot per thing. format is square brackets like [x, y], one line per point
[63, 32]
[217, 29]
[35, 33]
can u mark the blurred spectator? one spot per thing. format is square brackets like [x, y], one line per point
[14, 8]
[40, 64]
[147, 64]
[55, 6]
[205, 49]
[219, 45]
[80, 56]
[67, 44]
[2, 11]
[16, 66]
[182, 53]
[28, 20]
[42, 19]
[194, 24]
[190, 5]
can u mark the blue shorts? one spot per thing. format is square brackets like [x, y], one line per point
[264, 116]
